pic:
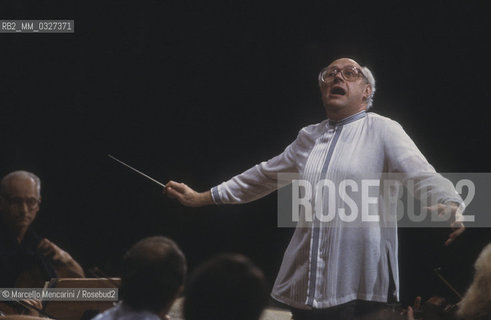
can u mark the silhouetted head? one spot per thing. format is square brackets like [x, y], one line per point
[226, 287]
[153, 274]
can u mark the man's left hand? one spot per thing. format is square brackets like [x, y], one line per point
[64, 264]
[450, 209]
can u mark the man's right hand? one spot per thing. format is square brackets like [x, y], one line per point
[187, 196]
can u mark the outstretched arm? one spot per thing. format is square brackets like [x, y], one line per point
[252, 184]
[405, 158]
[186, 195]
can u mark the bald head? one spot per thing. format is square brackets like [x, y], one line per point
[20, 176]
[345, 60]
[346, 88]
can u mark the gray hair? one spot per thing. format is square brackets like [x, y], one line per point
[476, 302]
[371, 81]
[20, 174]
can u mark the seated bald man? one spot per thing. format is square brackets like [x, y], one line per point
[26, 260]
[331, 270]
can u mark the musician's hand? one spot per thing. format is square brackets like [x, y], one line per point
[36, 304]
[410, 313]
[432, 308]
[54, 253]
[417, 304]
[186, 195]
[415, 308]
[450, 211]
[64, 264]
[437, 301]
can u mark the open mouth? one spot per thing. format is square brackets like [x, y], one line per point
[338, 91]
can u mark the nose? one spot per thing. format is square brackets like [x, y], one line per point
[338, 77]
[24, 208]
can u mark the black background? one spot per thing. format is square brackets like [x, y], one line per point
[197, 91]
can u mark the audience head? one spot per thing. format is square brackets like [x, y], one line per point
[228, 286]
[476, 303]
[153, 274]
[20, 196]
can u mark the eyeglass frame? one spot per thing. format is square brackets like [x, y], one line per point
[338, 70]
[18, 201]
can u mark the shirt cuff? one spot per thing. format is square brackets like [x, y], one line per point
[460, 204]
[215, 195]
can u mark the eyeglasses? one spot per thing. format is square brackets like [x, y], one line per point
[349, 73]
[18, 202]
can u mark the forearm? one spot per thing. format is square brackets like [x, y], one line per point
[204, 198]
[250, 185]
[70, 269]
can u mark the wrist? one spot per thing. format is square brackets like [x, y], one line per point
[205, 198]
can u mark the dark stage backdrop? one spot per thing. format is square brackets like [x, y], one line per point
[198, 91]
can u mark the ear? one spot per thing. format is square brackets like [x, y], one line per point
[367, 92]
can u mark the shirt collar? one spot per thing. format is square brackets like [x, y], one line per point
[349, 119]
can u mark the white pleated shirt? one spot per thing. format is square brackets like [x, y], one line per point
[325, 263]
